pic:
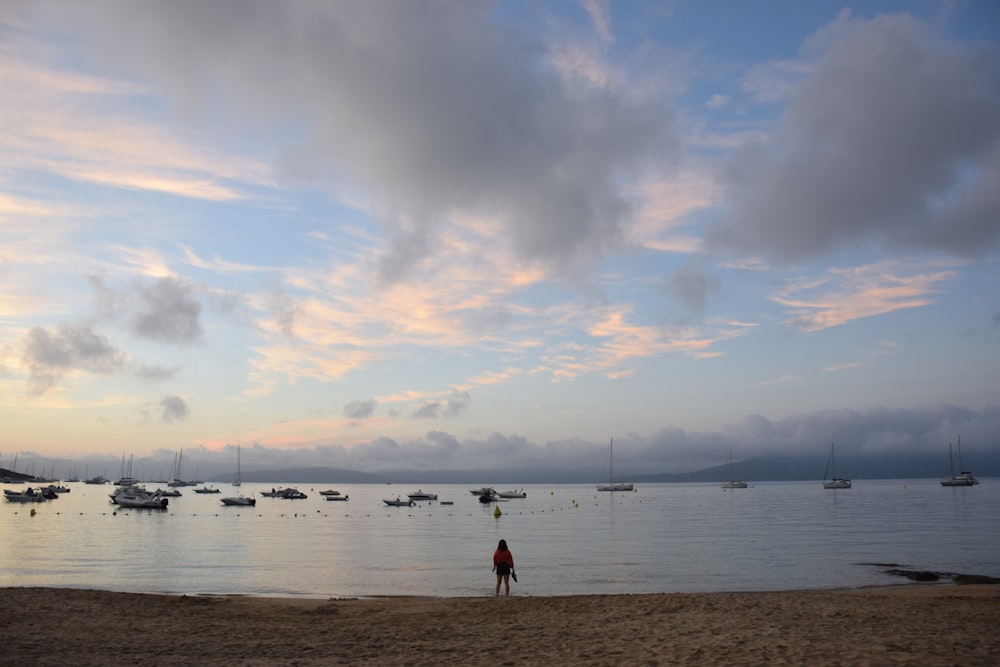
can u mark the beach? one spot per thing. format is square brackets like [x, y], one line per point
[914, 624]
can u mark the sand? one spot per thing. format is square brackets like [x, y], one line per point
[905, 625]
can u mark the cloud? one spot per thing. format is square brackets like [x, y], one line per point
[360, 409]
[846, 294]
[165, 309]
[167, 312]
[433, 109]
[692, 287]
[892, 137]
[174, 409]
[49, 355]
[457, 403]
[718, 101]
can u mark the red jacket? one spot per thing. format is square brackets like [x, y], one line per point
[503, 557]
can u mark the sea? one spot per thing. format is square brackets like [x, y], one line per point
[565, 539]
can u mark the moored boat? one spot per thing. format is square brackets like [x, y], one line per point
[134, 498]
[964, 477]
[239, 501]
[29, 495]
[516, 494]
[422, 495]
[834, 482]
[398, 502]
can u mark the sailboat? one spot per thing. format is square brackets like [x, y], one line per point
[964, 477]
[834, 482]
[733, 483]
[612, 485]
[238, 500]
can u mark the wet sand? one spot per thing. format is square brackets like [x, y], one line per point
[903, 625]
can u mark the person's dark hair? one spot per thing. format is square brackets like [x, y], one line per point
[502, 546]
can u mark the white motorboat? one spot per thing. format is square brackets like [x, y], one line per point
[134, 498]
[207, 489]
[422, 495]
[329, 492]
[516, 494]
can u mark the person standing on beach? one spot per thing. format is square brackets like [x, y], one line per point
[503, 565]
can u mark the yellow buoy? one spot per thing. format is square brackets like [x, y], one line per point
[497, 512]
[32, 511]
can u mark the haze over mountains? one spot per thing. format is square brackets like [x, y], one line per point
[758, 469]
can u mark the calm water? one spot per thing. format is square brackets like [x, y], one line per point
[565, 540]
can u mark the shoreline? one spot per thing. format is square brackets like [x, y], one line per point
[900, 624]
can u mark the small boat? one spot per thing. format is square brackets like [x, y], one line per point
[207, 489]
[29, 495]
[447, 502]
[733, 483]
[398, 502]
[421, 495]
[612, 485]
[480, 491]
[170, 493]
[329, 492]
[964, 477]
[56, 489]
[239, 501]
[95, 480]
[518, 494]
[287, 494]
[834, 482]
[336, 497]
[136, 498]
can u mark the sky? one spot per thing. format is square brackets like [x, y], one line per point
[451, 234]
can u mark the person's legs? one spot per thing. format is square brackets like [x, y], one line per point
[499, 577]
[506, 584]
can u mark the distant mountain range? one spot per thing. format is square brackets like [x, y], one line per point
[758, 469]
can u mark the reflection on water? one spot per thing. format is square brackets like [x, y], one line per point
[565, 540]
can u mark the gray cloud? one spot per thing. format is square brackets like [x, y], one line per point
[457, 403]
[431, 107]
[50, 354]
[894, 137]
[173, 409]
[155, 373]
[360, 409]
[692, 287]
[166, 311]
